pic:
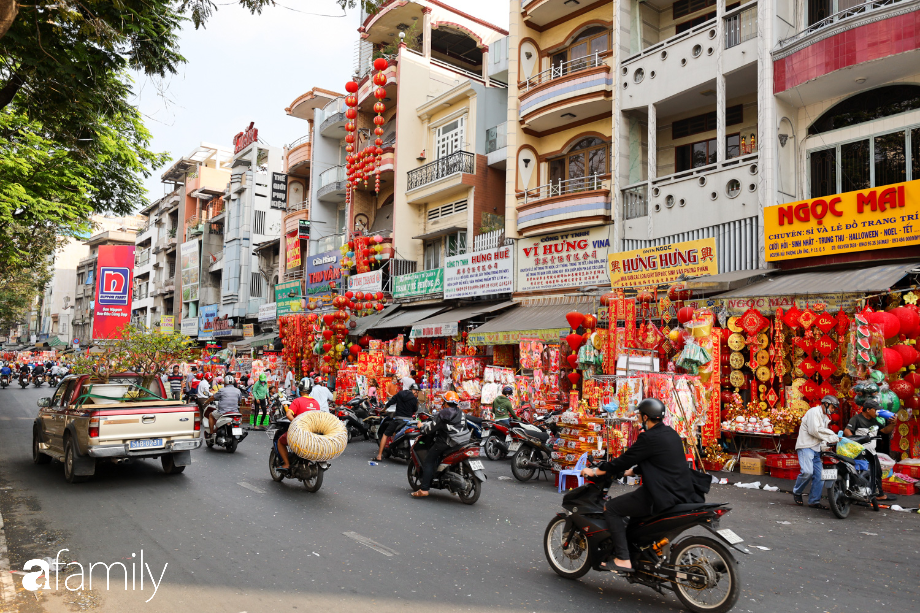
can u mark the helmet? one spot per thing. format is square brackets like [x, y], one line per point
[263, 377]
[831, 400]
[229, 380]
[651, 408]
[208, 377]
[451, 398]
[199, 376]
[507, 390]
[413, 387]
[318, 380]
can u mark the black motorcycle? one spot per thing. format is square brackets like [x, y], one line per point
[53, 381]
[352, 422]
[699, 569]
[38, 379]
[536, 451]
[4, 381]
[24, 380]
[308, 472]
[845, 483]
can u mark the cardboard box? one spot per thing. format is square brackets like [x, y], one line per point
[753, 466]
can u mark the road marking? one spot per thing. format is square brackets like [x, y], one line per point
[372, 544]
[25, 418]
[251, 487]
[5, 418]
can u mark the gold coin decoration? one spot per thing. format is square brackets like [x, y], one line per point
[903, 429]
[736, 342]
[763, 405]
[736, 378]
[763, 357]
[903, 415]
[800, 405]
[763, 340]
[796, 384]
[763, 373]
[904, 445]
[733, 324]
[736, 360]
[763, 389]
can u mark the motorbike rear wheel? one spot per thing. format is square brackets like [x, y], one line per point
[231, 445]
[570, 562]
[706, 556]
[522, 457]
[313, 485]
[274, 462]
[471, 495]
[415, 477]
[493, 451]
[839, 503]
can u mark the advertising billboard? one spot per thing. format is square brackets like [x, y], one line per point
[112, 307]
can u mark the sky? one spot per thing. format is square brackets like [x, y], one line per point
[244, 68]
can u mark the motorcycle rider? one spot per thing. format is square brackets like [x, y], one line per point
[321, 394]
[502, 407]
[6, 371]
[204, 390]
[406, 402]
[259, 401]
[300, 405]
[657, 455]
[58, 370]
[38, 372]
[868, 423]
[813, 434]
[439, 434]
[228, 399]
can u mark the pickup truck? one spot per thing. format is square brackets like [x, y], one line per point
[88, 420]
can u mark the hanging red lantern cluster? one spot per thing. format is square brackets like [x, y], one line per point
[380, 79]
[351, 113]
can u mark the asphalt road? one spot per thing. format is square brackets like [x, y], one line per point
[235, 541]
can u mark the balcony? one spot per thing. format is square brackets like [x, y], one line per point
[141, 258]
[217, 262]
[334, 119]
[569, 204]
[539, 14]
[574, 91]
[496, 146]
[299, 154]
[811, 65]
[709, 195]
[332, 185]
[740, 25]
[498, 60]
[441, 178]
[206, 182]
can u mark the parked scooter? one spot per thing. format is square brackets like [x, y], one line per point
[308, 472]
[699, 569]
[459, 472]
[846, 483]
[535, 453]
[228, 430]
[352, 422]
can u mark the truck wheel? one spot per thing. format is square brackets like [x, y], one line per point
[37, 456]
[70, 459]
[169, 465]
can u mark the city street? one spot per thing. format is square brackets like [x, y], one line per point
[236, 541]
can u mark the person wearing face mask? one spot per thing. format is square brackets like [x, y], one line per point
[814, 433]
[657, 455]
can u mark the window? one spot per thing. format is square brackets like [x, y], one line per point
[915, 153]
[732, 146]
[890, 158]
[255, 285]
[432, 254]
[867, 106]
[259, 225]
[862, 164]
[682, 8]
[456, 244]
[823, 172]
[692, 23]
[854, 166]
[706, 122]
[586, 158]
[447, 209]
[449, 138]
[695, 155]
[591, 41]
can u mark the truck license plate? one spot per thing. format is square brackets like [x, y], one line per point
[237, 432]
[475, 465]
[829, 474]
[146, 443]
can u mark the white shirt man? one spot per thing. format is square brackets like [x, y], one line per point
[289, 382]
[322, 395]
[204, 389]
[408, 381]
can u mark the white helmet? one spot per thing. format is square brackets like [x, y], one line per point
[229, 380]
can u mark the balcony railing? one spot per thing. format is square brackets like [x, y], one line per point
[635, 201]
[140, 292]
[330, 242]
[741, 26]
[333, 112]
[488, 240]
[332, 175]
[142, 257]
[562, 69]
[300, 141]
[496, 138]
[859, 9]
[459, 161]
[298, 206]
[569, 186]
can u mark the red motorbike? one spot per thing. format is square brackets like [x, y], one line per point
[459, 472]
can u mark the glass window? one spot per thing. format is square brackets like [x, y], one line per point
[854, 166]
[432, 254]
[456, 244]
[890, 158]
[732, 146]
[823, 172]
[819, 9]
[867, 106]
[587, 157]
[915, 154]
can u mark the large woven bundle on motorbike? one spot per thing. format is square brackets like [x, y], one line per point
[317, 436]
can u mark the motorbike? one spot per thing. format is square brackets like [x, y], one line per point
[536, 452]
[457, 472]
[845, 483]
[500, 440]
[353, 424]
[308, 472]
[699, 569]
[399, 446]
[37, 380]
[24, 380]
[228, 429]
[4, 381]
[54, 380]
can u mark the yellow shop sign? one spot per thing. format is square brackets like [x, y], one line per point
[878, 218]
[663, 264]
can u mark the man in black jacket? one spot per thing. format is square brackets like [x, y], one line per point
[658, 455]
[406, 402]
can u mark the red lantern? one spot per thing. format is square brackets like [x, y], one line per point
[380, 63]
[575, 319]
[379, 132]
[888, 322]
[679, 292]
[379, 295]
[574, 377]
[380, 79]
[684, 315]
[893, 361]
[575, 341]
[351, 87]
[572, 359]
[327, 346]
[590, 322]
[351, 100]
[902, 389]
[379, 120]
[328, 319]
[350, 126]
[354, 349]
[349, 294]
[327, 334]
[908, 354]
[913, 378]
[351, 113]
[380, 93]
[359, 295]
[364, 340]
[907, 317]
[380, 107]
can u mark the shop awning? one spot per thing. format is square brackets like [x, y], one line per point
[406, 317]
[256, 341]
[440, 233]
[524, 322]
[447, 323]
[865, 280]
[728, 281]
[369, 322]
[56, 342]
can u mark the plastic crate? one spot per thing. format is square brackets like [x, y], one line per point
[784, 473]
[712, 466]
[901, 489]
[783, 460]
[911, 470]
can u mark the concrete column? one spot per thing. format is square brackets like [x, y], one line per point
[652, 142]
[485, 66]
[426, 32]
[720, 117]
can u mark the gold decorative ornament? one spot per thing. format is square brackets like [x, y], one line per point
[736, 378]
[903, 429]
[763, 357]
[733, 324]
[736, 360]
[736, 342]
[763, 340]
[763, 373]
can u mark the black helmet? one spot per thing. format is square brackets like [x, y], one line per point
[652, 408]
[507, 390]
[831, 400]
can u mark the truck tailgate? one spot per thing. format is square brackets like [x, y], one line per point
[121, 424]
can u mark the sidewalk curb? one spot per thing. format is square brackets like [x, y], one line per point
[789, 491]
[7, 587]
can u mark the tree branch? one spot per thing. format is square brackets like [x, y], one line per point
[11, 88]
[8, 11]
